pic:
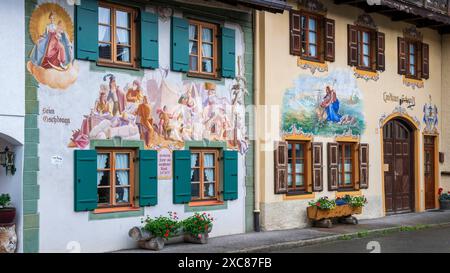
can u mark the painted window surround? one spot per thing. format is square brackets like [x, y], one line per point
[117, 142]
[212, 205]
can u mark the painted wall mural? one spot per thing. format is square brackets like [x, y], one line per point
[430, 117]
[52, 57]
[165, 113]
[324, 105]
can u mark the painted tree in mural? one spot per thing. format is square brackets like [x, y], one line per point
[327, 105]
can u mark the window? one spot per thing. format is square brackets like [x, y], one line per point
[115, 178]
[202, 49]
[312, 36]
[204, 175]
[366, 48]
[411, 60]
[413, 56]
[346, 166]
[116, 35]
[296, 180]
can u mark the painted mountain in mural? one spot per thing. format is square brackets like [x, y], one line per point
[328, 105]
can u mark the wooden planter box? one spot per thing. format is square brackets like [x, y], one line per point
[339, 211]
[147, 241]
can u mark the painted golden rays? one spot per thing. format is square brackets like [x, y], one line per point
[52, 57]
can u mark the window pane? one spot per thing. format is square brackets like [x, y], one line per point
[299, 180]
[366, 50]
[290, 166]
[412, 59]
[104, 16]
[289, 179]
[123, 54]
[312, 37]
[299, 150]
[412, 70]
[366, 61]
[209, 175]
[104, 34]
[193, 48]
[103, 178]
[208, 160]
[122, 161]
[195, 175]
[193, 63]
[122, 195]
[411, 48]
[299, 166]
[348, 166]
[207, 34]
[193, 33]
[104, 51]
[195, 190]
[195, 162]
[207, 65]
[313, 50]
[348, 179]
[303, 22]
[103, 196]
[208, 190]
[348, 151]
[207, 50]
[103, 161]
[366, 37]
[122, 19]
[312, 24]
[289, 150]
[123, 37]
[122, 178]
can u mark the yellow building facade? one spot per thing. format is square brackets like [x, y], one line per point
[349, 101]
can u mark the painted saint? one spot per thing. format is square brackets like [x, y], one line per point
[331, 105]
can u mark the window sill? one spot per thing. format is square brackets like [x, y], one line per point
[113, 210]
[301, 196]
[118, 66]
[205, 203]
[203, 76]
[342, 193]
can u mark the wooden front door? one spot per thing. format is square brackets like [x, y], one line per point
[430, 195]
[399, 171]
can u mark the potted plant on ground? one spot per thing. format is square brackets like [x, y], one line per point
[197, 228]
[157, 231]
[444, 200]
[7, 212]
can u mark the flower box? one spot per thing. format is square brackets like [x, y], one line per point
[317, 214]
[444, 204]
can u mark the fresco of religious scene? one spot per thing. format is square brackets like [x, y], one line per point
[165, 114]
[328, 105]
[52, 58]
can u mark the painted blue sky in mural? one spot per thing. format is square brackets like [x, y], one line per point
[324, 105]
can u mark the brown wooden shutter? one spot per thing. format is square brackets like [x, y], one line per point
[380, 51]
[425, 61]
[317, 169]
[329, 39]
[333, 171]
[401, 56]
[280, 160]
[352, 46]
[294, 27]
[363, 166]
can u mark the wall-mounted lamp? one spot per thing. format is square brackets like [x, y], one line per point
[7, 159]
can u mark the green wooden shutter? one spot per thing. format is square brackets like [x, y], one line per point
[181, 176]
[180, 45]
[230, 175]
[85, 179]
[149, 40]
[86, 30]
[148, 178]
[228, 53]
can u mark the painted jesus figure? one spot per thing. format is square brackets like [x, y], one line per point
[331, 104]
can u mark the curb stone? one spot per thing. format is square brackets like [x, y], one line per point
[337, 237]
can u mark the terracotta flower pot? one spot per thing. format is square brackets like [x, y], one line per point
[7, 215]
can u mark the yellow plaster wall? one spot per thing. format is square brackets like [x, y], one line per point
[278, 70]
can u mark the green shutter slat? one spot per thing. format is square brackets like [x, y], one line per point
[230, 175]
[181, 176]
[228, 53]
[85, 180]
[149, 40]
[148, 178]
[180, 45]
[86, 30]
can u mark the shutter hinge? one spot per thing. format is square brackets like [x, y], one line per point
[135, 159]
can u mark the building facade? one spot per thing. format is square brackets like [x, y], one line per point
[137, 108]
[351, 101]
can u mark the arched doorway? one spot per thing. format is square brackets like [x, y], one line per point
[398, 156]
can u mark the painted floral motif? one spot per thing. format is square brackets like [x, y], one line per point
[328, 105]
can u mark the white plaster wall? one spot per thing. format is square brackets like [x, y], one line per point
[12, 100]
[59, 224]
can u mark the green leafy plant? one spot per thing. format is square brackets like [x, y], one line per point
[162, 226]
[197, 224]
[5, 200]
[323, 203]
[355, 201]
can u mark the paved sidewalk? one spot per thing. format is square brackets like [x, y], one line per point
[278, 240]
